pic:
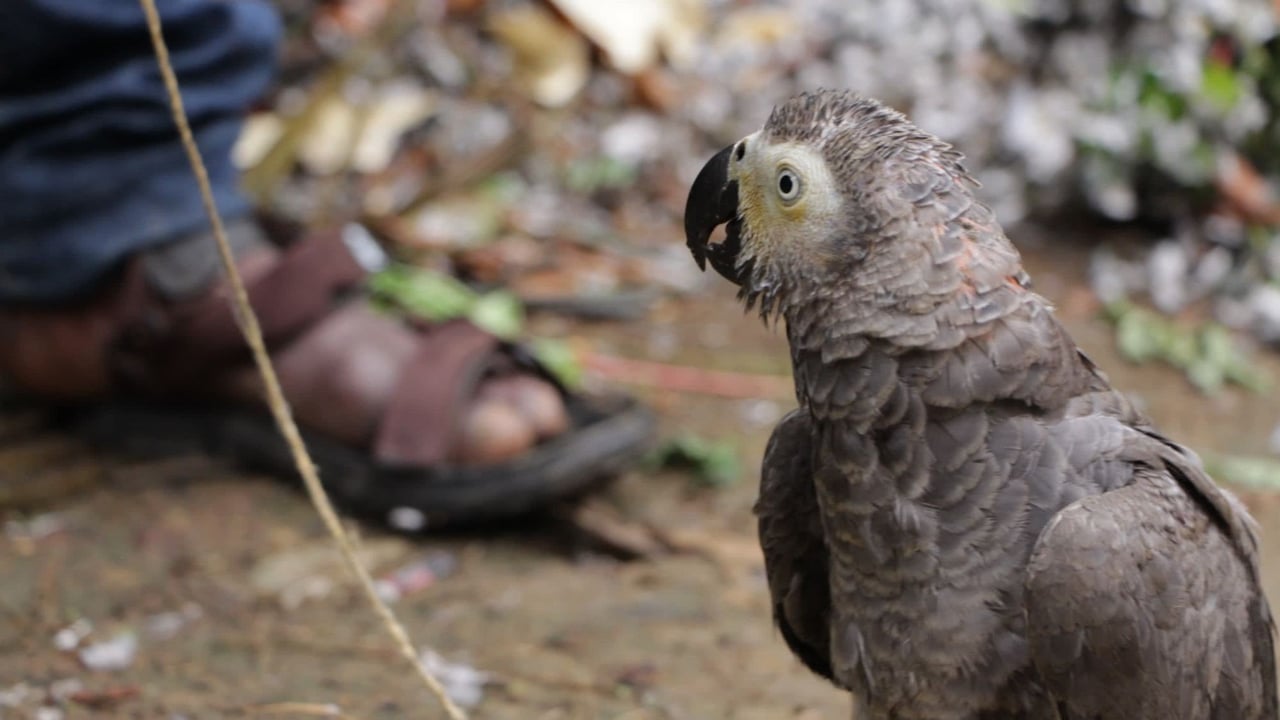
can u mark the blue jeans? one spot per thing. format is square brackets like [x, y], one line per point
[91, 170]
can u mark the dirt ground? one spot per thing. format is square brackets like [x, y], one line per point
[185, 557]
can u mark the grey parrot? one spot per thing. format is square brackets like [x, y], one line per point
[962, 519]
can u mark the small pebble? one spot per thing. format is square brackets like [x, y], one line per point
[407, 519]
[69, 637]
[114, 654]
[462, 683]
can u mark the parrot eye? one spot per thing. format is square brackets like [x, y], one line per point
[788, 184]
[740, 151]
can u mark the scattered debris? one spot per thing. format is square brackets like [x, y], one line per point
[261, 132]
[637, 677]
[359, 130]
[298, 708]
[14, 695]
[463, 683]
[407, 519]
[416, 576]
[311, 572]
[105, 699]
[69, 637]
[166, 625]
[114, 654]
[761, 413]
[552, 61]
[606, 528]
[634, 33]
[61, 690]
[732, 553]
[35, 528]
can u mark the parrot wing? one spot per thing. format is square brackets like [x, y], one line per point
[795, 553]
[1145, 601]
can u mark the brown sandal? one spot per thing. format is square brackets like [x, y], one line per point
[156, 378]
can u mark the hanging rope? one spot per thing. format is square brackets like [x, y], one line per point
[248, 323]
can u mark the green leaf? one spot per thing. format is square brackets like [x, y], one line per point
[438, 297]
[429, 295]
[1205, 375]
[1220, 86]
[713, 463]
[1156, 97]
[560, 361]
[1136, 338]
[1259, 473]
[599, 173]
[1209, 355]
[499, 312]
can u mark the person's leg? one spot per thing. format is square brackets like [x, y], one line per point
[94, 185]
[90, 171]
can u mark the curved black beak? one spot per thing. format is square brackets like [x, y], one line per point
[713, 201]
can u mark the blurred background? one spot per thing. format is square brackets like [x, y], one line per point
[527, 163]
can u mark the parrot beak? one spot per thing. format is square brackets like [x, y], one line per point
[713, 201]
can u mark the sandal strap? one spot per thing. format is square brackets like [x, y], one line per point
[202, 336]
[420, 426]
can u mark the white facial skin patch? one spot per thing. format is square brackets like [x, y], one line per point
[786, 197]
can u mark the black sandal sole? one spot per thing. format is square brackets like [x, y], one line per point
[607, 436]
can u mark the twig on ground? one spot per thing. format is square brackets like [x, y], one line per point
[105, 699]
[626, 539]
[297, 708]
[248, 323]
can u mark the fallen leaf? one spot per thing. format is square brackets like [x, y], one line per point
[635, 33]
[260, 133]
[325, 149]
[398, 108]
[364, 137]
[758, 26]
[551, 60]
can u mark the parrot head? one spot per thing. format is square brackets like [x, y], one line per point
[805, 199]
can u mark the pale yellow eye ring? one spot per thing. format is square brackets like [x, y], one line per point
[788, 184]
